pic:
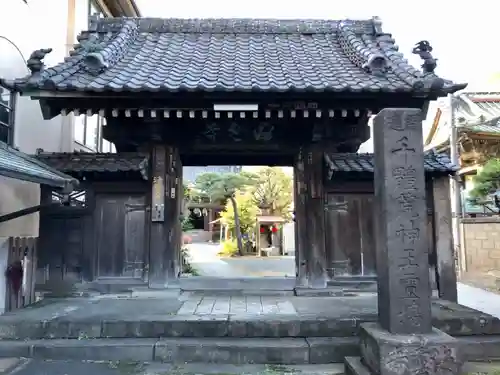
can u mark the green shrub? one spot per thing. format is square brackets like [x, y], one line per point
[187, 268]
[187, 224]
[229, 248]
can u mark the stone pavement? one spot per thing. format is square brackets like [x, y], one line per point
[47, 367]
[234, 305]
[479, 299]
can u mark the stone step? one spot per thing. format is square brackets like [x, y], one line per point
[199, 326]
[288, 351]
[207, 283]
[283, 326]
[284, 351]
[214, 326]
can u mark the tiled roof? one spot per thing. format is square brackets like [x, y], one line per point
[477, 112]
[261, 55]
[337, 162]
[18, 165]
[80, 162]
[488, 127]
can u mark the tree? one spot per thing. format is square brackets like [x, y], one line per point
[221, 187]
[247, 212]
[487, 183]
[273, 191]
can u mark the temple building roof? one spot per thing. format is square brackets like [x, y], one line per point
[350, 162]
[74, 163]
[85, 163]
[475, 113]
[236, 55]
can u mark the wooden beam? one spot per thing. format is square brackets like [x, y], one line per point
[104, 8]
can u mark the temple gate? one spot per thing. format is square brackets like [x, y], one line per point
[247, 92]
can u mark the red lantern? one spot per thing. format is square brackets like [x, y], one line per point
[274, 229]
[262, 230]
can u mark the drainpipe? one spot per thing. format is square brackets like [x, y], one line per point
[455, 188]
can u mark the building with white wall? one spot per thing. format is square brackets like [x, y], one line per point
[26, 26]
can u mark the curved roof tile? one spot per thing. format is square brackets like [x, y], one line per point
[170, 55]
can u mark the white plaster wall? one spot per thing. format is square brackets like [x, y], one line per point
[38, 24]
[23, 29]
[16, 195]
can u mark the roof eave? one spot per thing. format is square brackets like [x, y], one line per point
[67, 185]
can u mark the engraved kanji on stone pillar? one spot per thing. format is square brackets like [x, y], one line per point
[404, 296]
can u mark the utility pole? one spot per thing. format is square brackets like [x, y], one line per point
[455, 189]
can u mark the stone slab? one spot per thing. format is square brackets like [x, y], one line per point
[235, 351]
[480, 348]
[331, 349]
[8, 364]
[11, 349]
[385, 353]
[99, 349]
[321, 350]
[206, 283]
[122, 317]
[354, 366]
[43, 367]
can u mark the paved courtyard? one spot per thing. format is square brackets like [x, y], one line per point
[204, 259]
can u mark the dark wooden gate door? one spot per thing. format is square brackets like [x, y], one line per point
[349, 240]
[120, 236]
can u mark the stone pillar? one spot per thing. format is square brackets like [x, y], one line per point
[164, 247]
[447, 277]
[403, 341]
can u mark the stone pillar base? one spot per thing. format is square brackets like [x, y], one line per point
[383, 353]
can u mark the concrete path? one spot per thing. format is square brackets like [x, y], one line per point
[479, 299]
[204, 258]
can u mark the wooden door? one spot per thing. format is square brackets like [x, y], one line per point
[60, 250]
[350, 237]
[120, 247]
[134, 240]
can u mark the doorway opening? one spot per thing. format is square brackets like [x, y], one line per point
[255, 240]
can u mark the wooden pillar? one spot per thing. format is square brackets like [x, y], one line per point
[179, 200]
[164, 246]
[447, 278]
[310, 218]
[300, 222]
[315, 211]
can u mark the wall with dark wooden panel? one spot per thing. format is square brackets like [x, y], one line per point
[350, 237]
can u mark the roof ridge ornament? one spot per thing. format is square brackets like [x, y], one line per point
[35, 62]
[377, 64]
[377, 26]
[359, 52]
[423, 49]
[98, 57]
